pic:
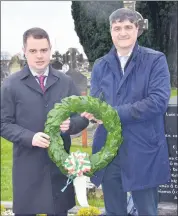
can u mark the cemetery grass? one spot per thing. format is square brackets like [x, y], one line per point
[173, 92]
[6, 169]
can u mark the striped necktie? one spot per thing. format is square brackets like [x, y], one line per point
[41, 82]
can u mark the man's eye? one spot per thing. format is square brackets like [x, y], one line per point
[128, 27]
[116, 29]
[33, 51]
[44, 50]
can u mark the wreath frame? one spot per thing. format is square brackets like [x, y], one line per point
[102, 111]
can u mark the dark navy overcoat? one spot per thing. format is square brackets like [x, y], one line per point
[141, 98]
[37, 182]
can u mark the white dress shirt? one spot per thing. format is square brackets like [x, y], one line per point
[35, 74]
[123, 59]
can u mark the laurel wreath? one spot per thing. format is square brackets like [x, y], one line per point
[102, 111]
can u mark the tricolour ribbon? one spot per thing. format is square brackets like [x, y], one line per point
[76, 164]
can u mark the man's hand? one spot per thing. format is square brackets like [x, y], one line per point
[65, 125]
[90, 117]
[41, 140]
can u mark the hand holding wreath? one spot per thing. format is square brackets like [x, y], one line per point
[90, 117]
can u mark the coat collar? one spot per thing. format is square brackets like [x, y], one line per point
[114, 63]
[29, 79]
[113, 54]
[34, 73]
[26, 72]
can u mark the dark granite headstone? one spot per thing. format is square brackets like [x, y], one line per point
[57, 61]
[57, 65]
[169, 192]
[79, 80]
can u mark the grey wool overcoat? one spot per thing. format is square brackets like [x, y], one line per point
[37, 182]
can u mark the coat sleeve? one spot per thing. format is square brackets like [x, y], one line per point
[95, 81]
[9, 129]
[158, 96]
[77, 123]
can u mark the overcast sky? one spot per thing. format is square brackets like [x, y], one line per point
[54, 16]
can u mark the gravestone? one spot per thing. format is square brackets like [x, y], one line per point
[57, 65]
[57, 61]
[73, 59]
[79, 80]
[168, 193]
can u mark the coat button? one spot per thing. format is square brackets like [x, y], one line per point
[46, 105]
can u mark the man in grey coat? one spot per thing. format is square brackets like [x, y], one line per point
[27, 97]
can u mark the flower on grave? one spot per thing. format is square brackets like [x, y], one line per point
[41, 214]
[88, 211]
[3, 209]
[7, 212]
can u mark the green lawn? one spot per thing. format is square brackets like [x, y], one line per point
[173, 92]
[6, 170]
[88, 91]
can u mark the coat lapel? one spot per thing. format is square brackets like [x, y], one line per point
[53, 77]
[114, 64]
[129, 66]
[29, 80]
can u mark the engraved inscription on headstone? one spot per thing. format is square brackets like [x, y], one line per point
[169, 192]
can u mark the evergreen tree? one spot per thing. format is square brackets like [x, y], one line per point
[92, 27]
[162, 32]
[91, 21]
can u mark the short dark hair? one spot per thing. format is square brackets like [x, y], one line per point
[37, 33]
[123, 14]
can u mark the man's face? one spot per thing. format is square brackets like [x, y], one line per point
[124, 34]
[37, 52]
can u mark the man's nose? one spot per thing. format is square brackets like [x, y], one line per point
[123, 32]
[39, 55]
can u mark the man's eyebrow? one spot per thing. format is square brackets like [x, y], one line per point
[40, 49]
[128, 25]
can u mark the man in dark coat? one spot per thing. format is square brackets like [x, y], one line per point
[27, 97]
[136, 82]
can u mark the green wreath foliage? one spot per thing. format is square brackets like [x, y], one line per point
[102, 111]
